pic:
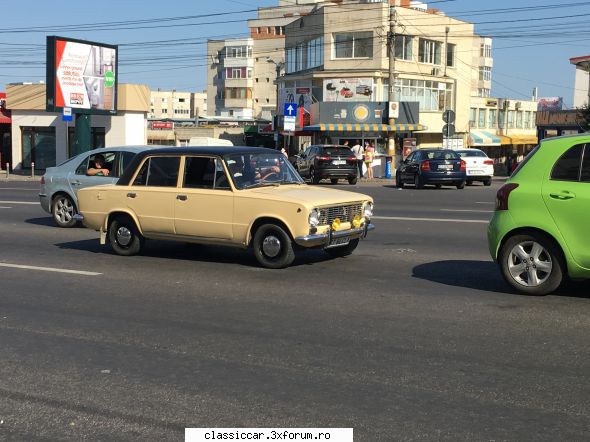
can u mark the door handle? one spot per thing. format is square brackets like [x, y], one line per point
[131, 195]
[181, 197]
[76, 183]
[562, 196]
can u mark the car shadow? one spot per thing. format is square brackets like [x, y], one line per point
[196, 252]
[47, 221]
[484, 275]
[426, 187]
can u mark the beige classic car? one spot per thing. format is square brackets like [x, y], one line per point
[241, 196]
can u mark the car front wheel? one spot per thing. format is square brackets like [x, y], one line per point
[352, 180]
[273, 247]
[124, 237]
[63, 211]
[532, 264]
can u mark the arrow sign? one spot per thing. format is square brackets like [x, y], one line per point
[290, 110]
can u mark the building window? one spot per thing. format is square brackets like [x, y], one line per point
[451, 55]
[527, 120]
[483, 92]
[431, 95]
[493, 118]
[510, 119]
[485, 73]
[181, 100]
[353, 45]
[238, 92]
[164, 111]
[259, 30]
[304, 56]
[429, 51]
[502, 119]
[485, 50]
[231, 112]
[403, 47]
[38, 146]
[482, 119]
[472, 113]
[278, 30]
[238, 51]
[519, 120]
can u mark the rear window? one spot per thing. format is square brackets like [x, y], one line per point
[526, 160]
[442, 155]
[567, 168]
[336, 151]
[472, 153]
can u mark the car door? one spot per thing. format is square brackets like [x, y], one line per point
[410, 168]
[204, 204]
[567, 196]
[153, 192]
[302, 162]
[78, 179]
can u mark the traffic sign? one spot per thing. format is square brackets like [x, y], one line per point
[448, 130]
[290, 110]
[289, 124]
[448, 116]
[67, 114]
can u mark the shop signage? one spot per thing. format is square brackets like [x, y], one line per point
[289, 124]
[169, 125]
[348, 89]
[370, 113]
[81, 75]
[550, 104]
[492, 102]
[300, 95]
[563, 118]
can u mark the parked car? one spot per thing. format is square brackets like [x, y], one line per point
[539, 232]
[323, 161]
[432, 166]
[60, 185]
[239, 196]
[479, 166]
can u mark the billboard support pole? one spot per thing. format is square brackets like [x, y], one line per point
[82, 135]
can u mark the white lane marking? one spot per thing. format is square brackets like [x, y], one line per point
[4, 207]
[442, 220]
[20, 202]
[49, 269]
[466, 210]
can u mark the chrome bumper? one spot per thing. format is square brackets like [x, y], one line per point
[78, 217]
[324, 239]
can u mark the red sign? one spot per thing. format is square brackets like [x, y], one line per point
[162, 125]
[4, 113]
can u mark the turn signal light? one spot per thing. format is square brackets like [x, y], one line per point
[356, 222]
[336, 224]
[425, 165]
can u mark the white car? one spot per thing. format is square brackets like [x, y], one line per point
[479, 166]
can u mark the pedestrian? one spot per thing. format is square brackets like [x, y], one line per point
[284, 152]
[345, 144]
[369, 157]
[359, 153]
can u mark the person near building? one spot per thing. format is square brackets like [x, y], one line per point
[359, 152]
[369, 157]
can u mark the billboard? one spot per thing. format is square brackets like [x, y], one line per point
[348, 89]
[550, 104]
[300, 95]
[81, 75]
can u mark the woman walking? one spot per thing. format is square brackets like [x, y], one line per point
[369, 157]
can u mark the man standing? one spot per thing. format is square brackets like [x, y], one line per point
[359, 152]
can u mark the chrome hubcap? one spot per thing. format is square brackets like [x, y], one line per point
[123, 236]
[271, 246]
[529, 264]
[63, 210]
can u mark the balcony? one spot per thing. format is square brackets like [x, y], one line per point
[238, 102]
[238, 82]
[238, 62]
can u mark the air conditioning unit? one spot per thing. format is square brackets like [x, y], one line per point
[518, 105]
[435, 72]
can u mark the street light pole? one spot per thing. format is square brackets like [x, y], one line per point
[278, 67]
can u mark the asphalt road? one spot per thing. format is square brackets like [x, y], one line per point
[413, 337]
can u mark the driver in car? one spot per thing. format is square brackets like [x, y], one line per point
[98, 169]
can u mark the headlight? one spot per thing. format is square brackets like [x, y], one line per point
[368, 210]
[314, 218]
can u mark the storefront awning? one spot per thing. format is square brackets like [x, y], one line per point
[524, 139]
[483, 138]
[505, 140]
[356, 127]
[161, 135]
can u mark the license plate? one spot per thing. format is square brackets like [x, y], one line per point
[339, 241]
[338, 162]
[475, 172]
[445, 166]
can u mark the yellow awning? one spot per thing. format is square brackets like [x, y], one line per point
[366, 127]
[524, 139]
[504, 140]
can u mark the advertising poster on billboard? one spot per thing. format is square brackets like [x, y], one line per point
[81, 75]
[348, 89]
[550, 104]
[300, 95]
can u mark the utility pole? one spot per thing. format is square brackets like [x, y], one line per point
[392, 95]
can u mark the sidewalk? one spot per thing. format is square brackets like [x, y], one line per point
[18, 177]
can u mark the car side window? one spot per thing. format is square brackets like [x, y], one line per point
[100, 164]
[83, 167]
[204, 173]
[567, 168]
[585, 175]
[125, 159]
[158, 172]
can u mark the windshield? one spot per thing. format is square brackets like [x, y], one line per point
[442, 155]
[256, 170]
[472, 153]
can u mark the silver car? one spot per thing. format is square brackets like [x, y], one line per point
[60, 184]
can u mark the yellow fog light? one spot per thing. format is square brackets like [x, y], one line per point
[336, 224]
[356, 222]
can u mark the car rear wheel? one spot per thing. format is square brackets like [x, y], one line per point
[487, 182]
[531, 264]
[438, 186]
[273, 247]
[314, 178]
[398, 181]
[469, 182]
[124, 237]
[461, 185]
[418, 182]
[63, 211]
[334, 180]
[352, 180]
[339, 252]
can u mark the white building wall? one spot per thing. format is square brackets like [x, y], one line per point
[582, 86]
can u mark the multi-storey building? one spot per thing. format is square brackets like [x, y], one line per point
[582, 80]
[170, 104]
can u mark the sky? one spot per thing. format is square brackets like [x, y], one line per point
[163, 43]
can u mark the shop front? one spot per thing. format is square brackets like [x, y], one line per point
[5, 128]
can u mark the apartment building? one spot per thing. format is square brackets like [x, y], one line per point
[170, 104]
[582, 80]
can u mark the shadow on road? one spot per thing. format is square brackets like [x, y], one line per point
[195, 252]
[483, 275]
[47, 221]
[426, 187]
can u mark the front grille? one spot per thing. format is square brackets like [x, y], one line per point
[344, 213]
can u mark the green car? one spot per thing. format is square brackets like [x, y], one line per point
[540, 232]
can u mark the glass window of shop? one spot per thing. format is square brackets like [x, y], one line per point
[493, 118]
[527, 119]
[38, 146]
[482, 119]
[519, 120]
[432, 95]
[510, 119]
[472, 113]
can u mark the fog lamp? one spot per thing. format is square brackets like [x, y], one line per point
[356, 222]
[336, 224]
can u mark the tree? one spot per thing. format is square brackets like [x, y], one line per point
[584, 116]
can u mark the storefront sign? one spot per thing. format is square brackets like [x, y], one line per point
[300, 95]
[492, 102]
[563, 118]
[169, 125]
[81, 75]
[348, 89]
[369, 112]
[550, 104]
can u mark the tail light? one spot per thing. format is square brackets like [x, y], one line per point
[323, 158]
[489, 162]
[42, 179]
[351, 158]
[503, 194]
[425, 166]
[463, 166]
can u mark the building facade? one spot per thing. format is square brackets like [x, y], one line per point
[171, 104]
[582, 80]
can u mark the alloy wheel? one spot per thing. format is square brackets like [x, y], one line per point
[529, 264]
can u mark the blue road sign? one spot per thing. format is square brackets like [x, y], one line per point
[290, 110]
[67, 114]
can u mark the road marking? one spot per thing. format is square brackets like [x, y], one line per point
[19, 202]
[4, 207]
[442, 220]
[49, 269]
[466, 210]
